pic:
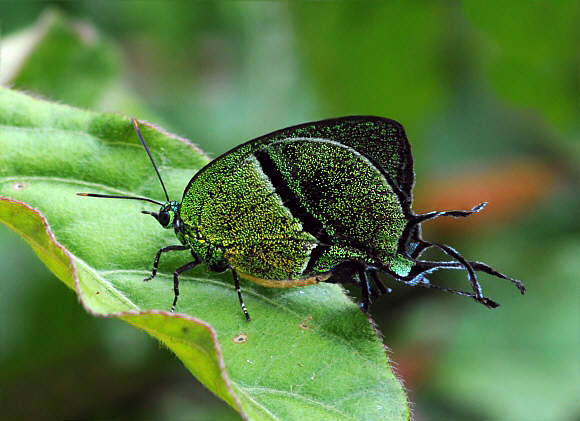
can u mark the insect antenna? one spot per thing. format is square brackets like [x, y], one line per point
[145, 199]
[136, 126]
[112, 196]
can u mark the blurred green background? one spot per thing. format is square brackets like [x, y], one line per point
[489, 95]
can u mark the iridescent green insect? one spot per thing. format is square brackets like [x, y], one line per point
[322, 201]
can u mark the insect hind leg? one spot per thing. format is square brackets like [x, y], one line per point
[417, 278]
[382, 289]
[421, 268]
[475, 285]
[366, 290]
[362, 275]
[482, 267]
[461, 263]
[371, 287]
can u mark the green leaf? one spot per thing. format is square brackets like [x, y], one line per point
[370, 61]
[530, 52]
[308, 352]
[70, 61]
[62, 58]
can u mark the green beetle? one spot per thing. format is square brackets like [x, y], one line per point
[323, 201]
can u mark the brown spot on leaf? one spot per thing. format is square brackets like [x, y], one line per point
[20, 185]
[305, 325]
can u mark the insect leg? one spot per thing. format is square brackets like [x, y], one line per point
[461, 264]
[470, 272]
[418, 219]
[364, 284]
[375, 293]
[239, 291]
[417, 278]
[176, 274]
[382, 288]
[158, 256]
[455, 213]
[482, 267]
[485, 301]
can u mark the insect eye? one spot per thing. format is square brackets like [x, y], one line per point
[164, 218]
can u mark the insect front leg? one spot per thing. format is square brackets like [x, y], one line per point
[176, 274]
[158, 256]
